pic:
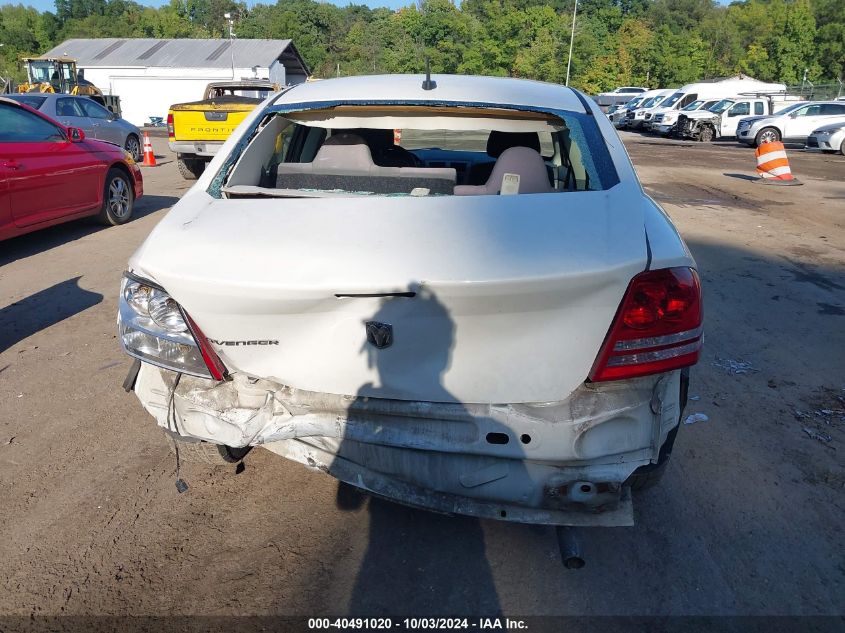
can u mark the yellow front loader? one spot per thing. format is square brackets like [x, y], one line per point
[55, 74]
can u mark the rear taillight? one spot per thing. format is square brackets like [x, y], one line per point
[657, 327]
[171, 133]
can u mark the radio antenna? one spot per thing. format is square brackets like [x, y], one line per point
[428, 84]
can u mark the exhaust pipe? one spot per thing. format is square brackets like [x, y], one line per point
[570, 547]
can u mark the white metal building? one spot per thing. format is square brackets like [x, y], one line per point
[151, 74]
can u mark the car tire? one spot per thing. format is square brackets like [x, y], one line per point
[118, 198]
[707, 134]
[349, 498]
[842, 148]
[133, 146]
[199, 452]
[190, 168]
[766, 135]
[648, 476]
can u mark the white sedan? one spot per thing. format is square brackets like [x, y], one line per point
[829, 138]
[488, 318]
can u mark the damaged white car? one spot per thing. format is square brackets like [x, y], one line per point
[451, 292]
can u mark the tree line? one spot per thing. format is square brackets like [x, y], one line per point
[617, 42]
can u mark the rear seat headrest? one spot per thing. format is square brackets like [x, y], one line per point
[344, 154]
[524, 162]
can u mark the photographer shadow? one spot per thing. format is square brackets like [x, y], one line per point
[437, 560]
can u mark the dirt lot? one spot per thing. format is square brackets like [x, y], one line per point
[748, 520]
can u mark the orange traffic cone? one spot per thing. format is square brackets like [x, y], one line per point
[149, 157]
[773, 165]
[397, 137]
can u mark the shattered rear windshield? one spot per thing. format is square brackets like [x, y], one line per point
[388, 149]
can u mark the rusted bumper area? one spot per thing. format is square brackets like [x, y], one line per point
[561, 463]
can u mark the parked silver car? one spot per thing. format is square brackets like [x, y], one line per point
[828, 138]
[83, 112]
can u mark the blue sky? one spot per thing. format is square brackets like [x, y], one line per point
[48, 5]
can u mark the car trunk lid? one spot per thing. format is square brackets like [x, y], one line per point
[484, 299]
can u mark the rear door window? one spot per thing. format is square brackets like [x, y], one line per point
[94, 110]
[69, 107]
[833, 109]
[759, 108]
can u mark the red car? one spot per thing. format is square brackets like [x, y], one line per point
[50, 174]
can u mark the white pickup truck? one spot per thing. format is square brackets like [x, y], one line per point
[665, 123]
[721, 119]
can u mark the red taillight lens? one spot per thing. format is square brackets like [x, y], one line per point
[657, 327]
[215, 366]
[170, 130]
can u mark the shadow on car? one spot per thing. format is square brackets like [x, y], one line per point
[51, 237]
[38, 311]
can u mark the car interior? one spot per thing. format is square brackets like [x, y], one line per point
[424, 157]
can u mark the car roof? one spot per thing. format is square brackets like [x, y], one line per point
[494, 91]
[46, 95]
[795, 104]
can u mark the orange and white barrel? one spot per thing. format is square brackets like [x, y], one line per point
[397, 137]
[772, 161]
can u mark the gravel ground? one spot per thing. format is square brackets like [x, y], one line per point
[748, 520]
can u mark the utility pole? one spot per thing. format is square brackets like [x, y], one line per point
[571, 41]
[231, 22]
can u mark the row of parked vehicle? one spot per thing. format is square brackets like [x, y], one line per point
[750, 112]
[52, 172]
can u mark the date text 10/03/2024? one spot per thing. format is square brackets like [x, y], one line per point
[416, 624]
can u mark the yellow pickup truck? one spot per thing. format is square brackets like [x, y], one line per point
[196, 130]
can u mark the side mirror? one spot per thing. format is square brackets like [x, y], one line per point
[75, 134]
[793, 115]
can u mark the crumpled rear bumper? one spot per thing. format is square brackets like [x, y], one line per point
[561, 463]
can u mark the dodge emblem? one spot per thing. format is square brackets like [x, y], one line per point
[379, 334]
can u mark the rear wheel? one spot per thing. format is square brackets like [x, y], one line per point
[118, 198]
[133, 146]
[647, 476]
[842, 148]
[190, 168]
[767, 135]
[199, 452]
